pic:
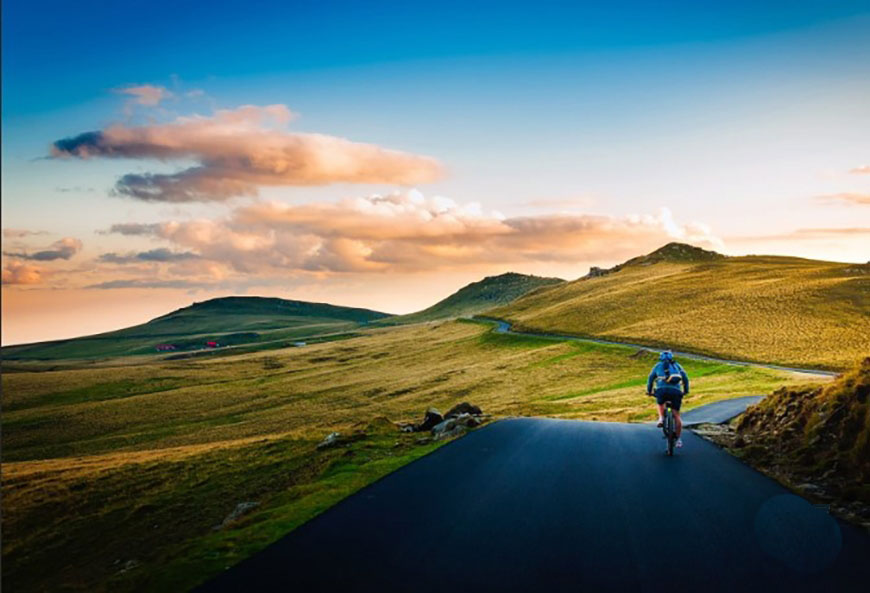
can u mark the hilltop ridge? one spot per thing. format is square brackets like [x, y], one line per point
[672, 252]
[478, 297]
[785, 310]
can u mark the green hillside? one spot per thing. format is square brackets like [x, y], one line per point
[477, 297]
[229, 321]
[764, 308]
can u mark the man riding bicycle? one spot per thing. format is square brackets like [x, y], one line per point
[672, 383]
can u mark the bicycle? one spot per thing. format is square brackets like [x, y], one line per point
[669, 427]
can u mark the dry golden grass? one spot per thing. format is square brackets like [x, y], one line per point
[767, 309]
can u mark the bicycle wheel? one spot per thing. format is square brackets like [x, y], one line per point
[671, 432]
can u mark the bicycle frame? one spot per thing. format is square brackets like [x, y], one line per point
[669, 427]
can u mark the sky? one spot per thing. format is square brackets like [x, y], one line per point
[384, 154]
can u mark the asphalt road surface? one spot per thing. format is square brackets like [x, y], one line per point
[719, 412]
[555, 505]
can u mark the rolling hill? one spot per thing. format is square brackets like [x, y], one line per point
[787, 310]
[477, 297]
[228, 321]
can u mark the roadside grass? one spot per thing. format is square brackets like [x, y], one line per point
[114, 476]
[790, 311]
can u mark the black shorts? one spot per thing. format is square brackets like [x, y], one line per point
[671, 395]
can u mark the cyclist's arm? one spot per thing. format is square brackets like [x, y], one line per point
[649, 381]
[685, 381]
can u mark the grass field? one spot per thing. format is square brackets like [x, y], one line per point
[790, 311]
[114, 477]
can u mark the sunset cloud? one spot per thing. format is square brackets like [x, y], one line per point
[863, 170]
[847, 198]
[146, 94]
[21, 233]
[16, 272]
[237, 151]
[65, 249]
[161, 254]
[406, 232]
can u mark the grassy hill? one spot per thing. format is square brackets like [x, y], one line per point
[230, 321]
[477, 297]
[764, 308]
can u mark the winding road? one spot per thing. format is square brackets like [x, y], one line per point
[534, 504]
[503, 327]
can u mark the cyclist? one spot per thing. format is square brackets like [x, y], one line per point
[671, 384]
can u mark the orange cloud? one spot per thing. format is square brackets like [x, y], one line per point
[407, 232]
[863, 170]
[146, 94]
[847, 198]
[240, 150]
[17, 272]
[63, 249]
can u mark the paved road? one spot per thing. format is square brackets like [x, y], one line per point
[719, 412]
[554, 505]
[503, 327]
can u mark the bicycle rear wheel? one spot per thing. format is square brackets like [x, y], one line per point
[670, 430]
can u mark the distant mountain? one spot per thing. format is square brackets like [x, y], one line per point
[793, 311]
[477, 297]
[229, 321]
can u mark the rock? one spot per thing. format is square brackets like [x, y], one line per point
[463, 408]
[407, 427]
[454, 431]
[430, 419]
[467, 420]
[242, 508]
[444, 426]
[331, 440]
[640, 353]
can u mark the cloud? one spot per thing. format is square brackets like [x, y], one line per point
[21, 233]
[808, 234]
[131, 229]
[847, 198]
[407, 232]
[237, 152]
[863, 170]
[161, 254]
[17, 272]
[113, 284]
[147, 94]
[66, 248]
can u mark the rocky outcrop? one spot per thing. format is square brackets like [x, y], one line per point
[456, 421]
[816, 439]
[463, 408]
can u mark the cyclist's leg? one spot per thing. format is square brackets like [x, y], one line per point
[678, 422]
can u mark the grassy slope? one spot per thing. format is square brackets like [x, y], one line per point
[815, 434]
[231, 321]
[477, 297]
[770, 309]
[136, 464]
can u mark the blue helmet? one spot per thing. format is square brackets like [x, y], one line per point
[666, 356]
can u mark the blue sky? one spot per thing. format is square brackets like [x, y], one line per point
[747, 118]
